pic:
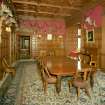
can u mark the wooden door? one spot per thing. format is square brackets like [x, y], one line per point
[24, 48]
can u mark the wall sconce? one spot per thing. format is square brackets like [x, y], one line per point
[39, 36]
[60, 36]
[8, 29]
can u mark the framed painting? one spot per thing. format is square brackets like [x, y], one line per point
[90, 36]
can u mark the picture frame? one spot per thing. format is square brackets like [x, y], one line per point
[90, 36]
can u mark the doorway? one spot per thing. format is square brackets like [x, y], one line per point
[24, 47]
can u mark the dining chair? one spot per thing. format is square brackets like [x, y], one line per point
[85, 58]
[7, 68]
[93, 65]
[47, 78]
[81, 82]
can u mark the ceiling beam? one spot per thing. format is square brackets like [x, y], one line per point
[46, 5]
[42, 12]
[25, 2]
[58, 6]
[24, 10]
[54, 14]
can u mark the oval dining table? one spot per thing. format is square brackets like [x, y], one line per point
[63, 66]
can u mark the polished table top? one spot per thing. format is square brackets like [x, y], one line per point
[62, 66]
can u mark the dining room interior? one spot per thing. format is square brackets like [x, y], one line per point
[52, 52]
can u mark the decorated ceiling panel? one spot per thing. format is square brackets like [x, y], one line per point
[53, 8]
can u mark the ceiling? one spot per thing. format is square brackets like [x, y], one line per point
[67, 9]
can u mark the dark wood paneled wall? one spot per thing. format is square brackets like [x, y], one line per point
[71, 42]
[55, 45]
[71, 39]
[4, 48]
[41, 44]
[103, 43]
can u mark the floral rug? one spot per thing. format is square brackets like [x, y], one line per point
[32, 91]
[28, 90]
[10, 97]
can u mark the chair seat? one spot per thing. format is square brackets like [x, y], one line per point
[47, 78]
[11, 70]
[51, 79]
[80, 83]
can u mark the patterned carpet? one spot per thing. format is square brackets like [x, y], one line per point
[26, 89]
[10, 96]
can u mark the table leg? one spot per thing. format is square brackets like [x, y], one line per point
[58, 85]
[92, 79]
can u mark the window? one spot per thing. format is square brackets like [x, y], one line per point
[79, 40]
[79, 43]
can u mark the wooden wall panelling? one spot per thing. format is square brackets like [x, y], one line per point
[55, 45]
[17, 46]
[5, 46]
[4, 49]
[71, 39]
[12, 47]
[95, 45]
[1, 73]
[32, 46]
[38, 44]
[98, 37]
[103, 43]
